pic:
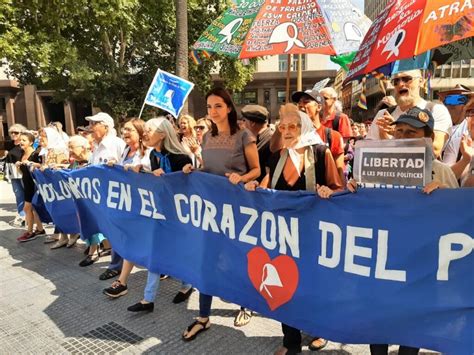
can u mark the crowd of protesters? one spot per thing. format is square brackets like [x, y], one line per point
[311, 147]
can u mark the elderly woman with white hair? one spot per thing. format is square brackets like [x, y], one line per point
[13, 175]
[53, 154]
[168, 155]
[107, 147]
[305, 163]
[79, 153]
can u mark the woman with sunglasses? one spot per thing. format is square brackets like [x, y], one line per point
[167, 155]
[188, 137]
[203, 125]
[231, 152]
[14, 175]
[136, 157]
[305, 163]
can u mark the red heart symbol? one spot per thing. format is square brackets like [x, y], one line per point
[276, 280]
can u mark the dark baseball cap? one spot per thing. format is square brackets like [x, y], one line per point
[417, 118]
[458, 89]
[255, 113]
[313, 94]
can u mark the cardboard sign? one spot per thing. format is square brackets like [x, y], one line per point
[390, 163]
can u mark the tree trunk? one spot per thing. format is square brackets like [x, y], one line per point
[182, 42]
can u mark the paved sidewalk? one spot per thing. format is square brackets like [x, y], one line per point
[48, 304]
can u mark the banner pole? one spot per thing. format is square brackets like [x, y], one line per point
[288, 71]
[141, 111]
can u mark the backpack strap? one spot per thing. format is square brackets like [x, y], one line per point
[335, 122]
[327, 132]
[319, 151]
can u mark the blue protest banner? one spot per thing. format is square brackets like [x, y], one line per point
[168, 92]
[56, 195]
[379, 266]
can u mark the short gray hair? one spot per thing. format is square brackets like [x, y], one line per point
[330, 91]
[17, 128]
[79, 141]
[170, 142]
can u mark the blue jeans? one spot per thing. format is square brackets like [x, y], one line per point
[205, 303]
[17, 186]
[116, 262]
[153, 285]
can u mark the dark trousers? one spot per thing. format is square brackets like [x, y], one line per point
[382, 349]
[291, 338]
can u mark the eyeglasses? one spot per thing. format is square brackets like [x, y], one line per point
[199, 128]
[128, 129]
[14, 132]
[292, 127]
[405, 79]
[454, 100]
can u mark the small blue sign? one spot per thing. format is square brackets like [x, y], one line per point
[168, 92]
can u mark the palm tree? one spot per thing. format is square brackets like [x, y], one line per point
[182, 42]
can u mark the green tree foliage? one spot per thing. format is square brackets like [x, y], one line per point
[106, 51]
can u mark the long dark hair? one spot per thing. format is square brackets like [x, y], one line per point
[232, 116]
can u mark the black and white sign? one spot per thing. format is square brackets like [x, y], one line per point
[401, 162]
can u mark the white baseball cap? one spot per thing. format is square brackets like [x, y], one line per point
[102, 117]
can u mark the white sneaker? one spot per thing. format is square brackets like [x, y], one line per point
[18, 221]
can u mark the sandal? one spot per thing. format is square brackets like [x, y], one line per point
[108, 274]
[89, 260]
[105, 252]
[322, 343]
[203, 327]
[243, 318]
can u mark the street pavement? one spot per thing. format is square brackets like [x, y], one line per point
[48, 304]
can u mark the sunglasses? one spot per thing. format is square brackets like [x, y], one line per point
[405, 79]
[454, 100]
[292, 127]
[327, 98]
[199, 128]
[14, 132]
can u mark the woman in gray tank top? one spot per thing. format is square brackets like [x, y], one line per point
[231, 152]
